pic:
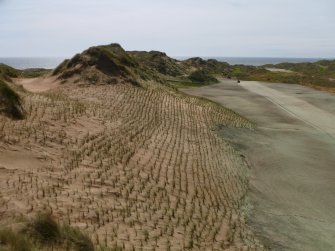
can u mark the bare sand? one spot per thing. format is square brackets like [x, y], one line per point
[291, 155]
[36, 85]
[279, 70]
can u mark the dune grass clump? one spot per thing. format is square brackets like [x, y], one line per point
[202, 77]
[44, 233]
[10, 103]
[76, 239]
[44, 229]
[12, 241]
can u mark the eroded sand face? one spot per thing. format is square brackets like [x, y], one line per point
[292, 158]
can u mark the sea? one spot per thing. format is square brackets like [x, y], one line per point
[33, 62]
[53, 62]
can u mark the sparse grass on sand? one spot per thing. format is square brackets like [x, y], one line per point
[108, 147]
[139, 168]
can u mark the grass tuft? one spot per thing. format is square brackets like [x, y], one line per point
[44, 229]
[11, 241]
[10, 103]
[78, 240]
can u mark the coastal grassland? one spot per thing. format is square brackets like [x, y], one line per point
[317, 81]
[7, 73]
[320, 75]
[137, 168]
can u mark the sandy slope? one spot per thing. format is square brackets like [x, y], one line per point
[292, 159]
[140, 168]
[38, 84]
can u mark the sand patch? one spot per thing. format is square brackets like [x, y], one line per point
[279, 70]
[19, 160]
[41, 84]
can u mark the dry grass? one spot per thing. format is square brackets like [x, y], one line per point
[137, 168]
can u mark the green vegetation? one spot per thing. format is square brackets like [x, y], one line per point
[44, 229]
[12, 241]
[44, 233]
[112, 64]
[318, 69]
[183, 83]
[78, 239]
[34, 73]
[60, 68]
[10, 103]
[109, 64]
[7, 72]
[202, 77]
[211, 66]
[241, 71]
[319, 74]
[158, 61]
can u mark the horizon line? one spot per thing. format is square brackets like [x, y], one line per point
[195, 56]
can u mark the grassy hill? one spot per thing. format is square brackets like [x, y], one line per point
[320, 75]
[7, 73]
[109, 64]
[160, 62]
[210, 66]
[323, 68]
[112, 64]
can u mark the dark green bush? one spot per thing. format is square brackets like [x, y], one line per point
[202, 77]
[44, 229]
[10, 103]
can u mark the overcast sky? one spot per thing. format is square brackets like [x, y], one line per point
[264, 28]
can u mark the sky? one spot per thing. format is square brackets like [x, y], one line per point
[212, 28]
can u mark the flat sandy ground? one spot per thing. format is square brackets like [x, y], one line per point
[292, 158]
